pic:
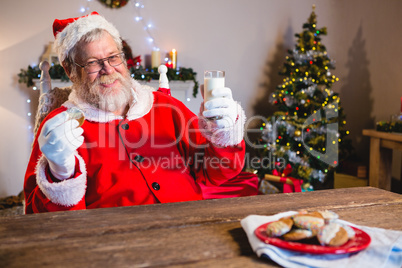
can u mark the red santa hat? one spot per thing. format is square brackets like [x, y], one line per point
[69, 32]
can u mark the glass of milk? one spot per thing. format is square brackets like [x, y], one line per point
[212, 79]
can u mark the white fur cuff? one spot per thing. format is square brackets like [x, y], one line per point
[66, 193]
[224, 136]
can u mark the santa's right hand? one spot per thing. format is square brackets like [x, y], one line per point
[58, 140]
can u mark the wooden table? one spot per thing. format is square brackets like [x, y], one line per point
[381, 146]
[188, 234]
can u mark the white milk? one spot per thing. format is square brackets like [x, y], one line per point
[211, 83]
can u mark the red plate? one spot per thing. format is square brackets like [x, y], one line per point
[359, 242]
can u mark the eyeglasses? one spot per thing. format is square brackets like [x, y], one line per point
[97, 65]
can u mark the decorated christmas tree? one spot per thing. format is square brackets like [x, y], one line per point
[305, 137]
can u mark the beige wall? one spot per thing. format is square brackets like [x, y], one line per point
[248, 39]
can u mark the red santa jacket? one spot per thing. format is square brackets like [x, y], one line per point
[159, 152]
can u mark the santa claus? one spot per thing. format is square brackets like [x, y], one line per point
[136, 146]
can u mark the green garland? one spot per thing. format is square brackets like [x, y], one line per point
[182, 74]
[57, 72]
[389, 126]
[27, 76]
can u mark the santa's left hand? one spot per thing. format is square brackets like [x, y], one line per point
[222, 108]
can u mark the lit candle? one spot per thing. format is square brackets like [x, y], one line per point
[173, 56]
[156, 58]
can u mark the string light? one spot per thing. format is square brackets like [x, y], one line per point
[86, 8]
[138, 6]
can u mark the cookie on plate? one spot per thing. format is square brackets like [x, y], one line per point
[328, 215]
[333, 235]
[349, 230]
[298, 234]
[279, 227]
[309, 221]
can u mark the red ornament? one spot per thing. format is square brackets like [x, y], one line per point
[132, 62]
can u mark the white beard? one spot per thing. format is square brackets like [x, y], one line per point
[107, 99]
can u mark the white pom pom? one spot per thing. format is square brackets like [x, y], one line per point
[162, 69]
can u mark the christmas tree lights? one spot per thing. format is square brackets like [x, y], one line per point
[306, 136]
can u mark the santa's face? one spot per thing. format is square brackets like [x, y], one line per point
[101, 49]
[110, 88]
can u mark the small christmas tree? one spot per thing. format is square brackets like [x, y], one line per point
[304, 139]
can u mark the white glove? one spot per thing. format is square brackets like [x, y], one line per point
[222, 109]
[58, 141]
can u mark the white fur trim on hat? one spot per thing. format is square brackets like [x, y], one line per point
[73, 32]
[67, 192]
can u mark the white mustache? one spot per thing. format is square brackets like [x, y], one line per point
[108, 79]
